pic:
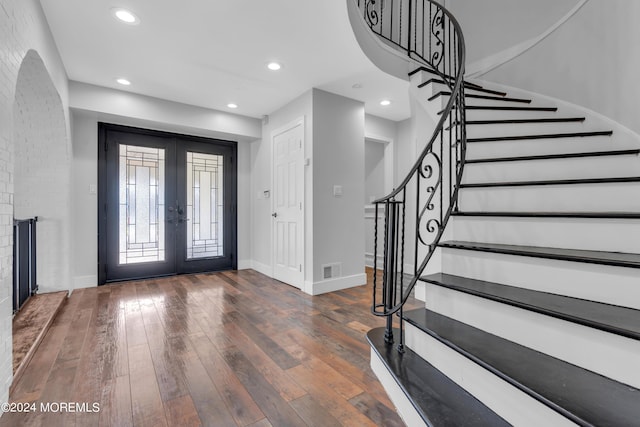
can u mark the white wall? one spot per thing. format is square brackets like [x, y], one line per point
[490, 26]
[22, 28]
[91, 104]
[373, 170]
[42, 164]
[338, 157]
[334, 146]
[592, 60]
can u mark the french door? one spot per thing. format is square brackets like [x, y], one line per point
[168, 204]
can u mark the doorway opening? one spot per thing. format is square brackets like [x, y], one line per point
[167, 204]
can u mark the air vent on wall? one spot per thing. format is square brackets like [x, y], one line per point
[329, 271]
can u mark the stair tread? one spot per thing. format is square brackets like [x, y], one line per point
[501, 107]
[620, 259]
[439, 400]
[541, 136]
[610, 318]
[607, 215]
[554, 156]
[553, 182]
[585, 397]
[532, 120]
[485, 97]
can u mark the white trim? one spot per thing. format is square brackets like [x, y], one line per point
[403, 405]
[336, 284]
[368, 259]
[509, 402]
[89, 281]
[245, 264]
[484, 65]
[300, 121]
[262, 268]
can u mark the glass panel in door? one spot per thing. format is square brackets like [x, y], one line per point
[205, 205]
[141, 204]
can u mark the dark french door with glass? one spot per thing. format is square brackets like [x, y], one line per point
[167, 204]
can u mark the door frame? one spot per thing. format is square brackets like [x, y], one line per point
[278, 131]
[103, 128]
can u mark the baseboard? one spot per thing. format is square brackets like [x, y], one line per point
[331, 285]
[265, 269]
[89, 281]
[245, 264]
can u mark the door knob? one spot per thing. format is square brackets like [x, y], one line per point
[275, 214]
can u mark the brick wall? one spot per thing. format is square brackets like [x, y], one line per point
[23, 31]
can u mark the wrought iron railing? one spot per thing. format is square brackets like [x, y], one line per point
[417, 211]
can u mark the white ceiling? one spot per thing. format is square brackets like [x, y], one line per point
[212, 52]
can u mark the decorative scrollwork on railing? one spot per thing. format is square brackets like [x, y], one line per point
[437, 30]
[371, 13]
[428, 224]
[429, 35]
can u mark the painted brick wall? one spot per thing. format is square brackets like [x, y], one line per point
[22, 28]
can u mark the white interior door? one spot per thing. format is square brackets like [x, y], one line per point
[288, 205]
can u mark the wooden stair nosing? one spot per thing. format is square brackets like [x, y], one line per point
[485, 97]
[584, 397]
[509, 108]
[617, 320]
[467, 85]
[504, 108]
[615, 259]
[522, 121]
[579, 181]
[438, 399]
[589, 215]
[554, 156]
[541, 136]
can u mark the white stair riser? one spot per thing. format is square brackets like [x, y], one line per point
[601, 283]
[532, 147]
[614, 235]
[507, 129]
[623, 197]
[598, 351]
[571, 168]
[405, 408]
[509, 114]
[510, 403]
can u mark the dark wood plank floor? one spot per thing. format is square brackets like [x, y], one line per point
[223, 349]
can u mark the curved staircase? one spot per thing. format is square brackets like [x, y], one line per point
[532, 306]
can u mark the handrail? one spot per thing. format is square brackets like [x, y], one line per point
[429, 35]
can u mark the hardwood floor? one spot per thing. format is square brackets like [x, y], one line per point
[223, 349]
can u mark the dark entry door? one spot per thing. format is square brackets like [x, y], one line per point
[169, 204]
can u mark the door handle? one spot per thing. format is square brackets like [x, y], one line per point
[275, 214]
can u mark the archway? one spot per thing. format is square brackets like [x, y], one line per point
[42, 170]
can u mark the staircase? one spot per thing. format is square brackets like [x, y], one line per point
[532, 307]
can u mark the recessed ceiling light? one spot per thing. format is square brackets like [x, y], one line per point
[232, 105]
[357, 86]
[124, 82]
[125, 16]
[385, 102]
[274, 66]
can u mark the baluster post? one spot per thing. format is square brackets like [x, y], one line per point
[389, 286]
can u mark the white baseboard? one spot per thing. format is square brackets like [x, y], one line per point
[90, 281]
[265, 269]
[331, 285]
[244, 264]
